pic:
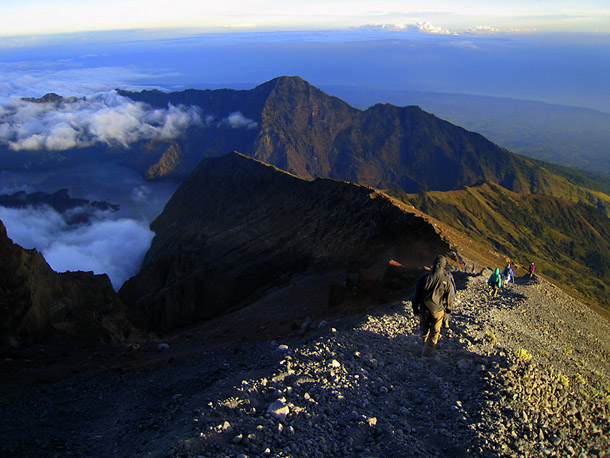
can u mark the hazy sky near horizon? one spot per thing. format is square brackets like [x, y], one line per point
[31, 17]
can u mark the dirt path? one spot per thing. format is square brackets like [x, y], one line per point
[524, 374]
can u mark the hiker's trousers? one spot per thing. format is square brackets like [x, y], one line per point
[430, 326]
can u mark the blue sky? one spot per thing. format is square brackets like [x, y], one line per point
[31, 17]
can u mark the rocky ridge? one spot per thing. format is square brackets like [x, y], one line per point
[238, 227]
[73, 210]
[37, 303]
[524, 374]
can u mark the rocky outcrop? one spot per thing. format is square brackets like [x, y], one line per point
[50, 98]
[237, 227]
[74, 210]
[37, 303]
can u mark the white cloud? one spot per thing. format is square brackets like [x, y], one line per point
[141, 193]
[115, 247]
[411, 26]
[104, 118]
[238, 121]
[483, 29]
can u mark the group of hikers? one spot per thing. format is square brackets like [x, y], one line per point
[497, 279]
[435, 296]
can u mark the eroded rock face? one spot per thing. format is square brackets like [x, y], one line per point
[36, 302]
[236, 227]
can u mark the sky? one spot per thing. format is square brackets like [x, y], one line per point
[30, 17]
[554, 51]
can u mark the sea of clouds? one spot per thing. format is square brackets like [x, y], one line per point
[105, 117]
[111, 246]
[93, 112]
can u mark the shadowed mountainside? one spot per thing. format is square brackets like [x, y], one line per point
[570, 136]
[237, 227]
[37, 303]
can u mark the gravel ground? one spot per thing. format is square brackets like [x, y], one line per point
[526, 373]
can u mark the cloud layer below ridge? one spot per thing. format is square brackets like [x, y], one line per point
[105, 118]
[112, 246]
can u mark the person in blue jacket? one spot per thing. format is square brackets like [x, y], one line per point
[508, 274]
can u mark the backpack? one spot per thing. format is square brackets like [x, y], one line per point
[495, 279]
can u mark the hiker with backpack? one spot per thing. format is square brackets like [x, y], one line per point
[495, 281]
[508, 274]
[433, 302]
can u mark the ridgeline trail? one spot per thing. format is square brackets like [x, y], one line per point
[526, 373]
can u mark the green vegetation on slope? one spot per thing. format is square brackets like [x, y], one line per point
[594, 181]
[569, 241]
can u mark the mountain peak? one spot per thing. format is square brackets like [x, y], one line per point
[286, 81]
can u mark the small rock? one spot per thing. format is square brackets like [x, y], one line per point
[226, 427]
[278, 409]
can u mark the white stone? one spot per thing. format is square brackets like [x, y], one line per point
[278, 409]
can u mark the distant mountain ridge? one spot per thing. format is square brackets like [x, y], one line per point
[564, 135]
[306, 132]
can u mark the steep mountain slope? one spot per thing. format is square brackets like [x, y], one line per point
[304, 131]
[237, 227]
[36, 302]
[570, 136]
[568, 241]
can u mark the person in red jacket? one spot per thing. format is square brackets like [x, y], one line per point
[432, 302]
[531, 269]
